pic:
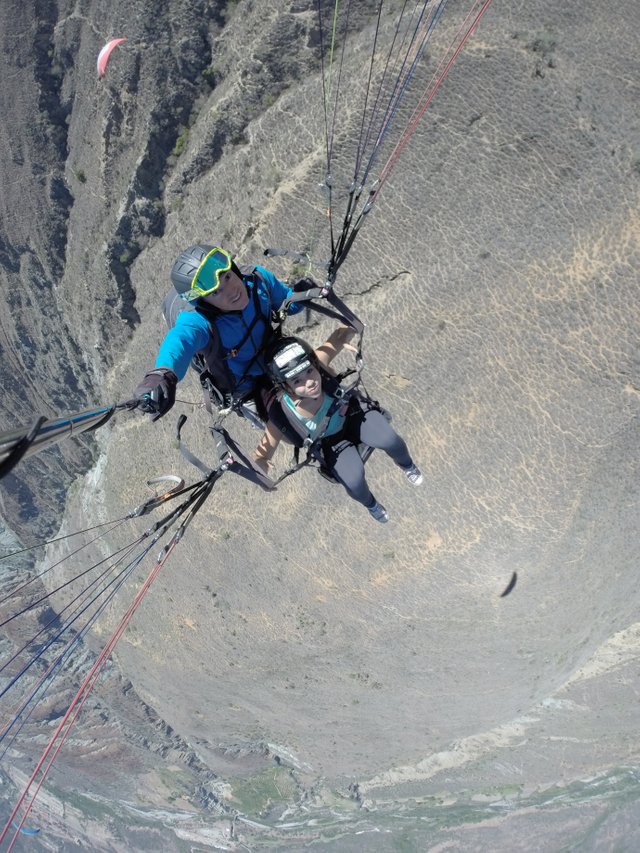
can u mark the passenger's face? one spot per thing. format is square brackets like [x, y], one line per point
[307, 384]
[230, 295]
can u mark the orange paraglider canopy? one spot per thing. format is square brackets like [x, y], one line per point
[105, 53]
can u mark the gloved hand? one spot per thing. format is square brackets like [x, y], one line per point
[157, 392]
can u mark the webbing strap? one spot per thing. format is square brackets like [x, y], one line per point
[227, 449]
[248, 470]
[258, 315]
[341, 312]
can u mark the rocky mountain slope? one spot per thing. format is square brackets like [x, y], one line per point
[298, 673]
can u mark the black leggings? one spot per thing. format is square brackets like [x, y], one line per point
[343, 459]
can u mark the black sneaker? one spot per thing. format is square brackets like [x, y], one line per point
[413, 475]
[378, 512]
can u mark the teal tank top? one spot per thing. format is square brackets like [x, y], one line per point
[314, 423]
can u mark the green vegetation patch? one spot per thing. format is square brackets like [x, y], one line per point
[258, 795]
[181, 143]
[177, 782]
[89, 807]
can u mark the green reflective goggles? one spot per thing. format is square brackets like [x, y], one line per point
[207, 278]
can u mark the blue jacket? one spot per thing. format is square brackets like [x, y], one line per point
[190, 334]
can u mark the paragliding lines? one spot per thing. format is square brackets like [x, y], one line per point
[362, 143]
[84, 601]
[57, 539]
[77, 703]
[457, 44]
[162, 526]
[412, 45]
[56, 618]
[398, 65]
[414, 52]
[48, 677]
[33, 578]
[190, 507]
[327, 94]
[62, 586]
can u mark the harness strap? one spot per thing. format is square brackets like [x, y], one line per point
[341, 396]
[248, 471]
[206, 377]
[293, 469]
[268, 331]
[227, 449]
[314, 448]
[341, 312]
[258, 315]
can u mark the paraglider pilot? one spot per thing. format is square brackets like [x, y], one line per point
[226, 332]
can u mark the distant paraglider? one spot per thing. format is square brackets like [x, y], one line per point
[24, 830]
[105, 53]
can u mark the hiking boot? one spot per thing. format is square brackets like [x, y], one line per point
[413, 475]
[378, 512]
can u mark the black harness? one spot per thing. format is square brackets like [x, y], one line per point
[215, 374]
[295, 432]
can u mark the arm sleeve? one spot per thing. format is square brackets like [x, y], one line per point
[279, 291]
[182, 342]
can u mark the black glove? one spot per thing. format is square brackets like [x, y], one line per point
[304, 284]
[157, 392]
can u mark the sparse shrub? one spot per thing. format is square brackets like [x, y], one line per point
[273, 176]
[129, 253]
[210, 75]
[181, 143]
[543, 43]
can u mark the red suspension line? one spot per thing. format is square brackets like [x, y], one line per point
[431, 89]
[81, 697]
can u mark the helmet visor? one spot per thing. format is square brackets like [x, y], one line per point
[207, 278]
